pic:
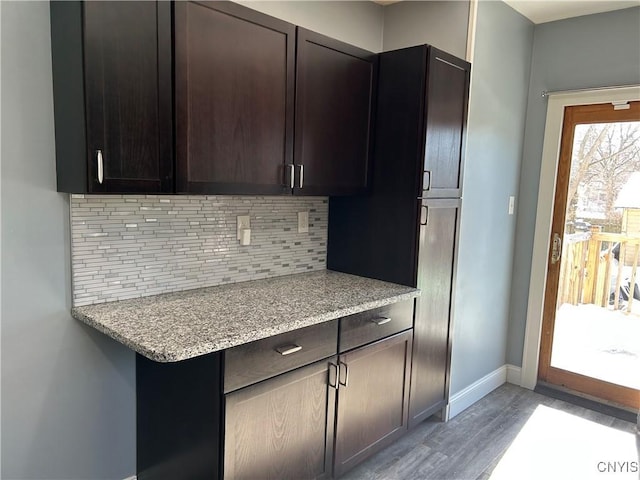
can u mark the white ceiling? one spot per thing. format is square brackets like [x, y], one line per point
[541, 11]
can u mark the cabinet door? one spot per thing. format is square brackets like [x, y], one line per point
[431, 339]
[127, 66]
[234, 75]
[372, 399]
[334, 111]
[282, 428]
[446, 118]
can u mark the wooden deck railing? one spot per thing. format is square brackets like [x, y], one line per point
[589, 272]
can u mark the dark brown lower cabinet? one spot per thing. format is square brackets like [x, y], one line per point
[432, 332]
[316, 421]
[178, 418]
[373, 397]
[281, 428]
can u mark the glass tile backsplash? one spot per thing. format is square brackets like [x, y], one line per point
[126, 246]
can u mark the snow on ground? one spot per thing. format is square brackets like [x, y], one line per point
[599, 343]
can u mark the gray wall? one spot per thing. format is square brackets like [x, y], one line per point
[68, 405]
[584, 52]
[442, 24]
[356, 22]
[499, 86]
[376, 28]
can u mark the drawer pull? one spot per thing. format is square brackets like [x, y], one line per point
[381, 320]
[288, 349]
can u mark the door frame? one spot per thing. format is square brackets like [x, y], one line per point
[544, 212]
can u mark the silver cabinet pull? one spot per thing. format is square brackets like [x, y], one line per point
[288, 349]
[428, 187]
[346, 374]
[424, 215]
[100, 167]
[292, 173]
[301, 179]
[380, 320]
[335, 384]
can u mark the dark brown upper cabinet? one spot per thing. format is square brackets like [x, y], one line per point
[335, 93]
[445, 121]
[112, 96]
[421, 117]
[261, 106]
[234, 87]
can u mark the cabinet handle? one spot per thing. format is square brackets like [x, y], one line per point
[288, 349]
[335, 384]
[100, 167]
[424, 216]
[380, 320]
[292, 173]
[346, 374]
[301, 180]
[428, 172]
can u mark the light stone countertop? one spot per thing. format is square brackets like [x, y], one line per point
[177, 326]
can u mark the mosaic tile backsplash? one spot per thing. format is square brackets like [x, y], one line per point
[126, 246]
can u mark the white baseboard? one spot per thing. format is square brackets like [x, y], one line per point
[478, 389]
[132, 477]
[514, 374]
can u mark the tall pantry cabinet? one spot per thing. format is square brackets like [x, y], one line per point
[406, 229]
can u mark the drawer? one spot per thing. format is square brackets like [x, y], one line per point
[252, 362]
[372, 325]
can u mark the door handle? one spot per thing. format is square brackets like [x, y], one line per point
[556, 248]
[336, 369]
[346, 374]
[424, 216]
[428, 186]
[100, 166]
[301, 178]
[292, 173]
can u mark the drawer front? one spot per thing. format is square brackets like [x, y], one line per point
[250, 363]
[366, 327]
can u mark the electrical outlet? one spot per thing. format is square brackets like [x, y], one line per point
[303, 222]
[244, 222]
[512, 204]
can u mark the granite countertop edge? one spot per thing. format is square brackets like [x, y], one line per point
[170, 353]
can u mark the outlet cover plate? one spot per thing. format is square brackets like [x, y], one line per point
[244, 221]
[303, 222]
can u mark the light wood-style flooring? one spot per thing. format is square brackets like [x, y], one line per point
[472, 444]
